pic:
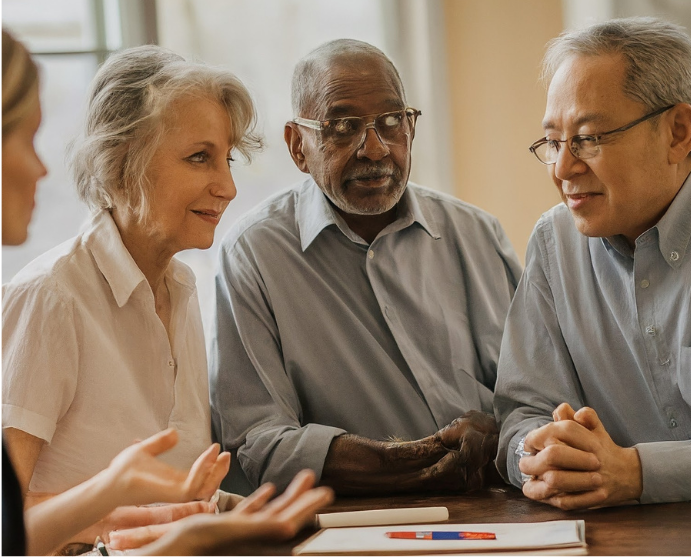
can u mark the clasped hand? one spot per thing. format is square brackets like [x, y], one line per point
[576, 464]
[470, 442]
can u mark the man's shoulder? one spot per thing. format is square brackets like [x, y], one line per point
[275, 213]
[556, 226]
[441, 201]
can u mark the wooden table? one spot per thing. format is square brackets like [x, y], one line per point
[629, 530]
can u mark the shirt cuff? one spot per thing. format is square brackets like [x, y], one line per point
[666, 470]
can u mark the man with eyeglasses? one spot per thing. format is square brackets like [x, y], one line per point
[594, 383]
[358, 315]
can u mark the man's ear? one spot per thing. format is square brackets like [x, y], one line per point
[680, 147]
[293, 138]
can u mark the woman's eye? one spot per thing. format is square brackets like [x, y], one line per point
[199, 157]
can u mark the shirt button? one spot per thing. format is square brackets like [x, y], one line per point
[674, 256]
[171, 363]
[370, 254]
[673, 423]
[650, 330]
[664, 361]
[645, 284]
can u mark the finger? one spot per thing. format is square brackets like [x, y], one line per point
[256, 500]
[199, 472]
[137, 537]
[301, 511]
[563, 412]
[160, 442]
[215, 476]
[574, 501]
[569, 433]
[303, 481]
[589, 419]
[558, 457]
[131, 517]
[556, 482]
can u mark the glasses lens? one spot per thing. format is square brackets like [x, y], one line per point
[394, 127]
[584, 147]
[342, 131]
[547, 151]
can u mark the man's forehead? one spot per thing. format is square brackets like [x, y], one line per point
[586, 89]
[342, 81]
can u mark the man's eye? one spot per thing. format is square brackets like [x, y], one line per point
[554, 144]
[344, 126]
[391, 120]
[586, 141]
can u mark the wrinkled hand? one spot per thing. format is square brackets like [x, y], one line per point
[141, 478]
[253, 518]
[471, 444]
[577, 465]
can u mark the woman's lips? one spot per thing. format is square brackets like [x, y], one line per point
[208, 215]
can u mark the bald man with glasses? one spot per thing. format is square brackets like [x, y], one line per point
[594, 387]
[359, 316]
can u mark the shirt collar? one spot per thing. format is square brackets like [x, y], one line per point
[315, 213]
[674, 228]
[114, 261]
[672, 232]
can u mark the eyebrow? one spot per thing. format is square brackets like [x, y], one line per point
[596, 118]
[340, 111]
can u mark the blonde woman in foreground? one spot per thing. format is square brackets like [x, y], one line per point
[132, 476]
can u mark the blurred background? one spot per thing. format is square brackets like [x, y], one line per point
[471, 66]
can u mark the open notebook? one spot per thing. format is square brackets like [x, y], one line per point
[565, 535]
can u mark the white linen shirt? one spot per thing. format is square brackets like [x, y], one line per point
[87, 363]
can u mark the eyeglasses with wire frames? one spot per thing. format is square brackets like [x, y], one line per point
[582, 146]
[393, 128]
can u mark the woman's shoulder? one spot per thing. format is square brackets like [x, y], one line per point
[56, 272]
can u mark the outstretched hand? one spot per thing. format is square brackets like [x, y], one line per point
[255, 517]
[141, 478]
[576, 464]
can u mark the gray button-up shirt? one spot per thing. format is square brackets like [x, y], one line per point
[594, 323]
[318, 333]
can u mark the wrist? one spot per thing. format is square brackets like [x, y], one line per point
[634, 477]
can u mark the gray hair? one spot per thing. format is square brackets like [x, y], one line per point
[126, 119]
[658, 54]
[311, 67]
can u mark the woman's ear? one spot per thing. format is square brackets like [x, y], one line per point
[680, 147]
[293, 138]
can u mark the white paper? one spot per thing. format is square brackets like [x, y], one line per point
[383, 517]
[510, 536]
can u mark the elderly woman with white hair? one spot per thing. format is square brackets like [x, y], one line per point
[102, 336]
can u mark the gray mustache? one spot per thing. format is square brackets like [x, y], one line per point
[372, 170]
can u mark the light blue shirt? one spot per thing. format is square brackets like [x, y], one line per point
[318, 333]
[594, 323]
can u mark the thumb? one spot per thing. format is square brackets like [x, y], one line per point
[160, 442]
[589, 419]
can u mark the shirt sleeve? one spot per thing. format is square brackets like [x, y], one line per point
[535, 371]
[254, 405]
[666, 467]
[40, 357]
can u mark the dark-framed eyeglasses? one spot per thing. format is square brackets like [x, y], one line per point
[393, 128]
[582, 146]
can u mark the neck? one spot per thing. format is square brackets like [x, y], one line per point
[368, 226]
[151, 257]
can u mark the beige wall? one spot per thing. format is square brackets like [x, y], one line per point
[494, 53]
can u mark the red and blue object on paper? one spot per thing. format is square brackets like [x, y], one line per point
[442, 535]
